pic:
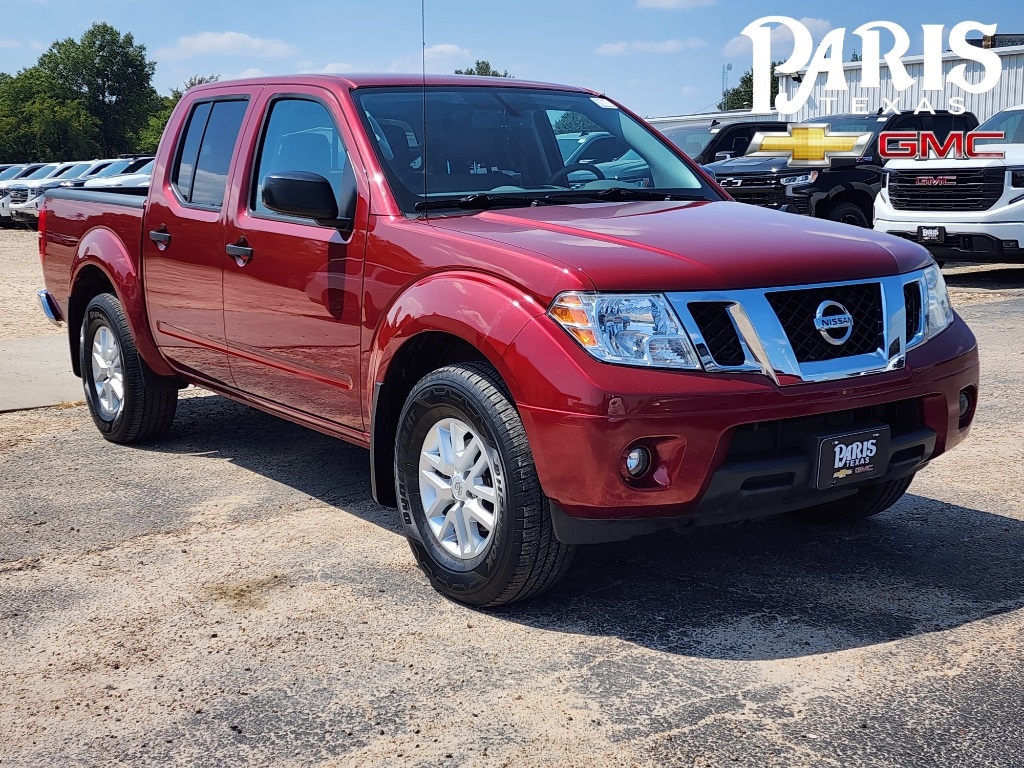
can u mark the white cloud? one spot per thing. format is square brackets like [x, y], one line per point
[246, 73]
[646, 46]
[224, 44]
[333, 68]
[9, 44]
[671, 4]
[444, 51]
[782, 38]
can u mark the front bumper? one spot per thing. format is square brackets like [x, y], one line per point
[27, 211]
[581, 415]
[995, 242]
[5, 206]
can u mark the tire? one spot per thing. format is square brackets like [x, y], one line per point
[518, 557]
[865, 503]
[849, 213]
[108, 362]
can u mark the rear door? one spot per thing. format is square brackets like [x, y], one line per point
[183, 237]
[292, 293]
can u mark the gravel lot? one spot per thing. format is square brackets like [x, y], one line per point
[233, 596]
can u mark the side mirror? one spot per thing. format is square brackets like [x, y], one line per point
[723, 156]
[709, 171]
[305, 194]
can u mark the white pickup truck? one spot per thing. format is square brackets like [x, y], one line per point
[961, 210]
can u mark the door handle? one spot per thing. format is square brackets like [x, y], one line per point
[240, 252]
[160, 236]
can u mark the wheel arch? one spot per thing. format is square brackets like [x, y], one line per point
[443, 319]
[861, 195]
[102, 264]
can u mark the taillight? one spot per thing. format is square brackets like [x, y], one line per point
[42, 232]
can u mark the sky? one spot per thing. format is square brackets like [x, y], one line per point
[658, 57]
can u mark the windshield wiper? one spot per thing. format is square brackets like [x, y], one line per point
[624, 193]
[478, 200]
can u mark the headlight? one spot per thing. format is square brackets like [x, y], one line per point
[1016, 177]
[803, 178]
[938, 313]
[628, 329]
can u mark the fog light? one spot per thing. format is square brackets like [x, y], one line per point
[965, 404]
[1009, 244]
[638, 460]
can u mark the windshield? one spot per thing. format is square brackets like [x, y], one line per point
[42, 173]
[147, 168]
[1010, 123]
[11, 172]
[567, 144]
[690, 140]
[480, 144]
[74, 171]
[113, 169]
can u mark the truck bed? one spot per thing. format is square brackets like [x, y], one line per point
[72, 214]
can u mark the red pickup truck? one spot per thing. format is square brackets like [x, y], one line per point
[533, 362]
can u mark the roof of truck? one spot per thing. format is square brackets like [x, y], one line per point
[379, 79]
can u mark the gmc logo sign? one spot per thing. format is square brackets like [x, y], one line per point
[912, 145]
[935, 181]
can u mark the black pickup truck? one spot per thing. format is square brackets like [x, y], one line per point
[843, 192]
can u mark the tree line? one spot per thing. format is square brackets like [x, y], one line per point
[91, 97]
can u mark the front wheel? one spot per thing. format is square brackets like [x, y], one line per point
[849, 213]
[123, 408]
[869, 501]
[475, 515]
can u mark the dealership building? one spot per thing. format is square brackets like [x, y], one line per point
[1008, 92]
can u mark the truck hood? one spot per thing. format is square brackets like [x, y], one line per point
[665, 246]
[1014, 155]
[749, 165]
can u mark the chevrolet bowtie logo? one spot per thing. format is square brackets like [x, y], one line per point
[809, 145]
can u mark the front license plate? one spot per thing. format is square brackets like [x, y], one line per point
[931, 234]
[851, 457]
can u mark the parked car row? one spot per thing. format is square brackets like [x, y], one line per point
[23, 185]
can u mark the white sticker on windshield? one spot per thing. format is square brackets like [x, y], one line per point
[602, 102]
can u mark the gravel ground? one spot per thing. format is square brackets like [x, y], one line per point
[20, 278]
[233, 596]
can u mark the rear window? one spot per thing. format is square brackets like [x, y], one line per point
[204, 157]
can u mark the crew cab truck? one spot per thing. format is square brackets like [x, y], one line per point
[532, 364]
[846, 190]
[962, 210]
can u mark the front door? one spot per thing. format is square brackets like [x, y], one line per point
[182, 243]
[291, 286]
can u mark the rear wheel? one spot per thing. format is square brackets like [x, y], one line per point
[477, 520]
[864, 503]
[848, 213]
[123, 408]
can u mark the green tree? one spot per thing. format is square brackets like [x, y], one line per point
[110, 77]
[742, 96]
[855, 57]
[484, 68]
[574, 122]
[148, 138]
[35, 125]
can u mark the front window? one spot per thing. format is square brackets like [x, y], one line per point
[74, 171]
[485, 146]
[690, 140]
[11, 172]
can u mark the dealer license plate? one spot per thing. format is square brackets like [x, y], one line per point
[850, 457]
[931, 234]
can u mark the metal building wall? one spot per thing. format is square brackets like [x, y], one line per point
[732, 116]
[1009, 91]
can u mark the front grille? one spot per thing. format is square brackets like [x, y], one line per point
[912, 302]
[784, 437]
[796, 311]
[19, 195]
[764, 191]
[719, 333]
[975, 189]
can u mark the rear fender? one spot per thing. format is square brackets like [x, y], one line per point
[103, 249]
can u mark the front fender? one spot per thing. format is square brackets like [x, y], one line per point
[477, 308]
[102, 249]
